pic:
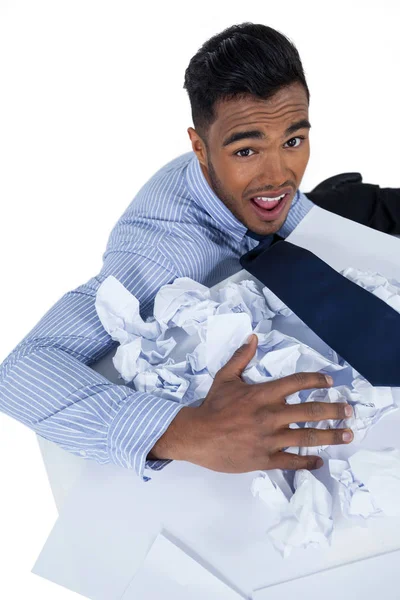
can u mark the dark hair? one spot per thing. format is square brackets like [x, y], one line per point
[243, 59]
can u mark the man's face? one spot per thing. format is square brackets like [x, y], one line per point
[257, 150]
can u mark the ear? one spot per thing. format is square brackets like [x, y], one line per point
[198, 146]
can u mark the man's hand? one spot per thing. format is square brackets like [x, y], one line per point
[244, 427]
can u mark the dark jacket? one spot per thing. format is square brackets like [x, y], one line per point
[366, 203]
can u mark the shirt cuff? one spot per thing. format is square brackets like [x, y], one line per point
[139, 424]
[301, 205]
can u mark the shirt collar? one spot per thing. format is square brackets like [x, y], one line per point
[206, 197]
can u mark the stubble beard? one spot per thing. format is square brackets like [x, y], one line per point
[226, 198]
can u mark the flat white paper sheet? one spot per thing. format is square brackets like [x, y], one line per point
[96, 551]
[168, 572]
[342, 243]
[110, 519]
[376, 577]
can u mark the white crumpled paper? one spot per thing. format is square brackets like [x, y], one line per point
[369, 483]
[141, 343]
[185, 303]
[225, 333]
[301, 521]
[218, 322]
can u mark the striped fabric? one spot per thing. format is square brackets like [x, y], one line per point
[176, 226]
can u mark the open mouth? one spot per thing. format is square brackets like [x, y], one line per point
[268, 208]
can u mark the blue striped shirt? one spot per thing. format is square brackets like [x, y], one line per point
[175, 227]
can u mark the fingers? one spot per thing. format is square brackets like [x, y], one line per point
[286, 460]
[240, 359]
[296, 382]
[313, 412]
[313, 437]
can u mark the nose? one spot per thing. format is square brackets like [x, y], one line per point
[275, 172]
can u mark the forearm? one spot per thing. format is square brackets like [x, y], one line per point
[46, 382]
[68, 403]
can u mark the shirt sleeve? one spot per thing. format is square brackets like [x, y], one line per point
[301, 205]
[47, 384]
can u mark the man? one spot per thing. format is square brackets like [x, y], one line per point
[195, 217]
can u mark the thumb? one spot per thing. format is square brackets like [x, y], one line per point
[240, 358]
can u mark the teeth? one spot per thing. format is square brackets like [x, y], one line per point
[266, 199]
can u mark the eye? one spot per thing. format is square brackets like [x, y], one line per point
[300, 137]
[246, 151]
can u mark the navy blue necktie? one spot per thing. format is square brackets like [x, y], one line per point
[362, 329]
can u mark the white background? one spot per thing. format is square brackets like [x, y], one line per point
[91, 104]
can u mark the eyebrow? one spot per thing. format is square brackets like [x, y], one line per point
[256, 134]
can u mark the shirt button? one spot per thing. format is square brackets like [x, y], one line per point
[82, 452]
